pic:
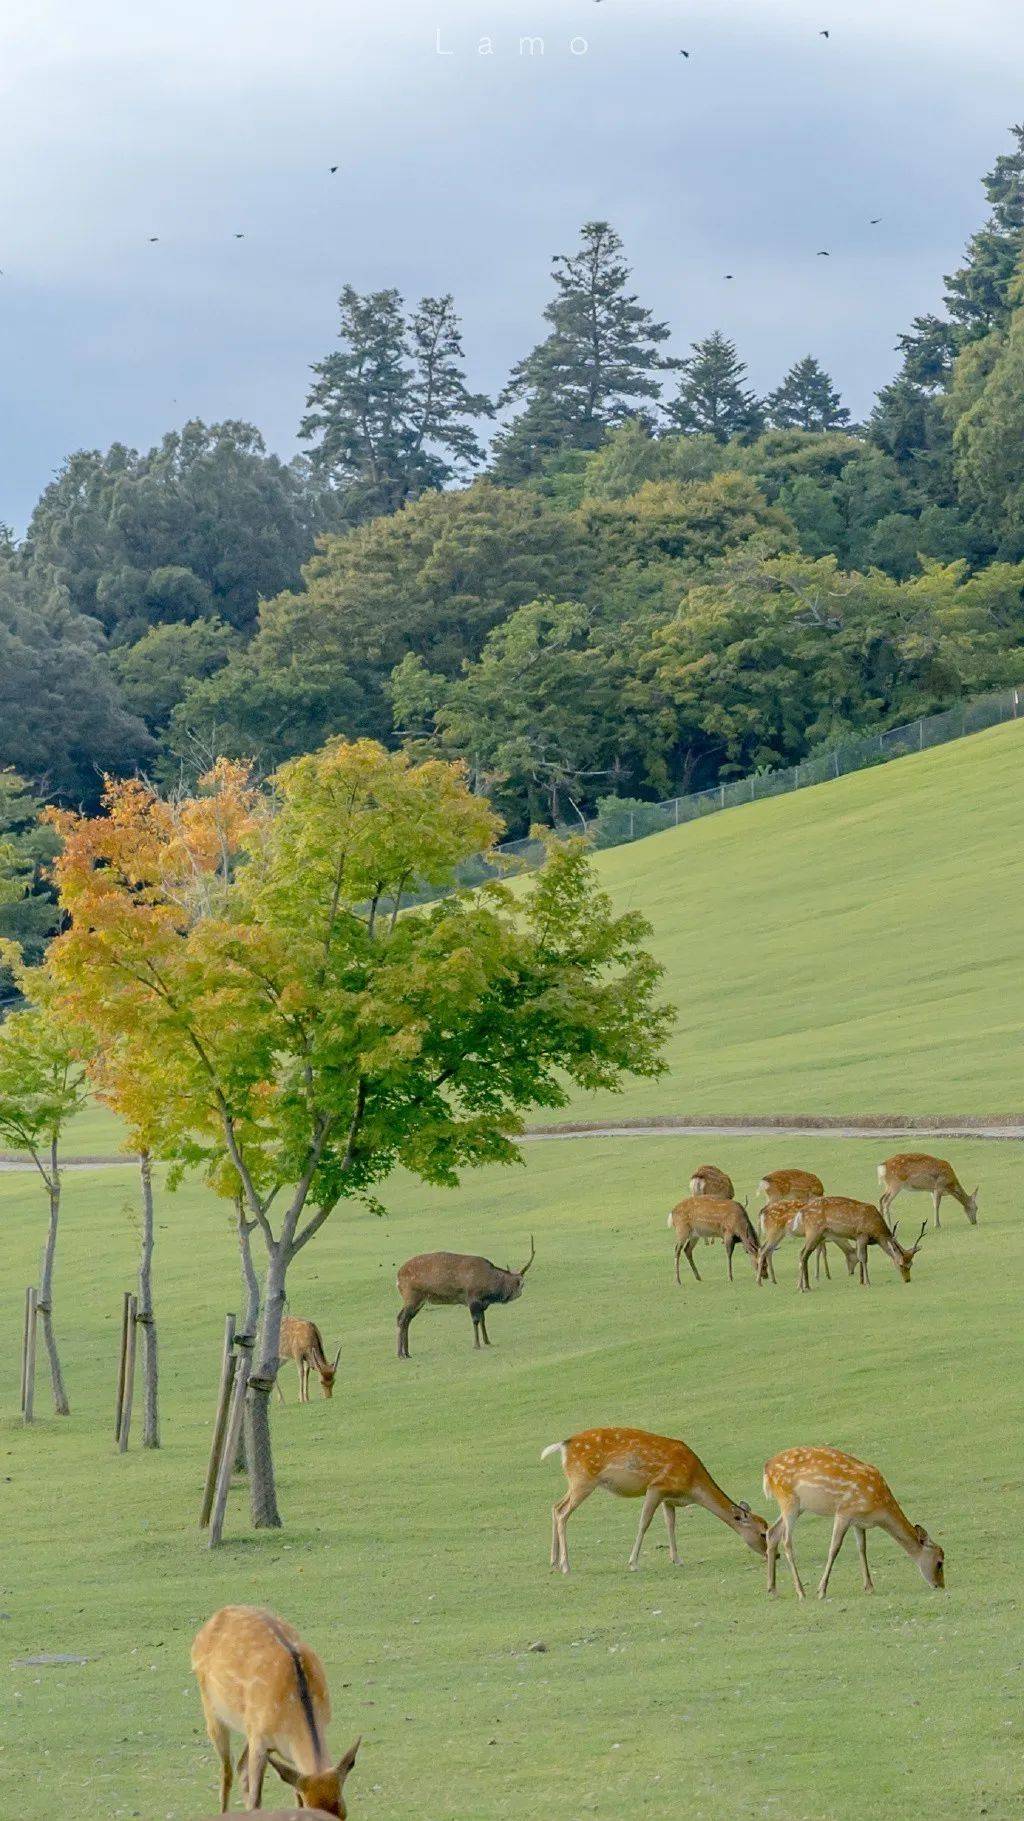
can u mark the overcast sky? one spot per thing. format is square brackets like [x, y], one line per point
[201, 119]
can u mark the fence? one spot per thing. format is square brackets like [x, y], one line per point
[623, 819]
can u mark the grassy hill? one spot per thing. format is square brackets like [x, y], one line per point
[415, 1553]
[852, 948]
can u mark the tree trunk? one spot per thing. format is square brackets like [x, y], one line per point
[151, 1417]
[250, 1320]
[45, 1299]
[262, 1490]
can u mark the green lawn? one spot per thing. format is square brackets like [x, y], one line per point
[415, 1553]
[853, 948]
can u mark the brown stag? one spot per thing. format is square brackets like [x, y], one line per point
[447, 1278]
[781, 1217]
[840, 1217]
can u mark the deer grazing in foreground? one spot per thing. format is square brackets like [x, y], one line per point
[780, 1185]
[708, 1217]
[933, 1175]
[445, 1278]
[708, 1179]
[257, 1677]
[839, 1217]
[781, 1217]
[850, 1492]
[634, 1464]
[303, 1342]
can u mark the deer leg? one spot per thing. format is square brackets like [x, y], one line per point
[483, 1329]
[220, 1739]
[804, 1279]
[730, 1246]
[303, 1381]
[772, 1539]
[563, 1512]
[652, 1499]
[862, 1550]
[839, 1529]
[787, 1550]
[936, 1199]
[688, 1254]
[477, 1311]
[256, 1773]
[678, 1250]
[823, 1260]
[405, 1316]
[556, 1546]
[277, 1381]
[670, 1526]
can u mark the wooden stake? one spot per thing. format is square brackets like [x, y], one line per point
[122, 1358]
[129, 1374]
[234, 1429]
[227, 1378]
[30, 1354]
[24, 1349]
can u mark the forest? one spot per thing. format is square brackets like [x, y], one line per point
[627, 575]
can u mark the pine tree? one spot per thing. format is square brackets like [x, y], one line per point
[596, 368]
[713, 399]
[806, 400]
[390, 412]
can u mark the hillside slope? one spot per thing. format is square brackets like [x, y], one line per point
[852, 948]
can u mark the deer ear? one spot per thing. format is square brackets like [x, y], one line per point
[345, 1764]
[284, 1771]
[921, 1533]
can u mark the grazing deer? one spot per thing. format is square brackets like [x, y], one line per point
[839, 1217]
[781, 1217]
[257, 1677]
[708, 1179]
[708, 1217]
[303, 1342]
[780, 1185]
[850, 1492]
[916, 1170]
[456, 1277]
[634, 1464]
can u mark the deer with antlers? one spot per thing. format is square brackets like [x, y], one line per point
[708, 1179]
[303, 1342]
[447, 1278]
[932, 1175]
[837, 1217]
[257, 1677]
[710, 1217]
[853, 1494]
[781, 1217]
[633, 1464]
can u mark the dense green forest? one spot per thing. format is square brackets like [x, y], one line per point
[647, 579]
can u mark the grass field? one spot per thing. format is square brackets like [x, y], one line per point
[415, 1553]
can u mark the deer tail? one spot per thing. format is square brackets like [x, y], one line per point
[553, 1448]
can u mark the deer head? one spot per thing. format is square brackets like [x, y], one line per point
[930, 1558]
[328, 1374]
[323, 1789]
[750, 1527]
[902, 1256]
[515, 1278]
[971, 1206]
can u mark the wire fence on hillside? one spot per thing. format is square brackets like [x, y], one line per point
[624, 819]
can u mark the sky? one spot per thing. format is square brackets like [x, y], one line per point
[463, 171]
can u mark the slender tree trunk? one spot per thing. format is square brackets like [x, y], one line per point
[250, 1319]
[151, 1417]
[262, 1489]
[45, 1301]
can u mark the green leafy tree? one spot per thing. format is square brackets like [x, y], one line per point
[806, 400]
[598, 365]
[311, 1031]
[42, 1086]
[28, 912]
[986, 402]
[390, 414]
[714, 399]
[157, 672]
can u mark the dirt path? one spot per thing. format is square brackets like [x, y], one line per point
[999, 1126]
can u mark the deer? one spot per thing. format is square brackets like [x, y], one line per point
[850, 1492]
[456, 1277]
[780, 1185]
[838, 1217]
[710, 1217]
[933, 1175]
[708, 1179]
[257, 1677]
[303, 1342]
[632, 1464]
[781, 1217]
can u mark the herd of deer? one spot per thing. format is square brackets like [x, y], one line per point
[258, 1678]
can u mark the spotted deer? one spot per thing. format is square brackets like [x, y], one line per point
[837, 1217]
[711, 1217]
[448, 1278]
[780, 1185]
[303, 1342]
[853, 1494]
[257, 1677]
[932, 1175]
[633, 1464]
[781, 1217]
[708, 1179]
